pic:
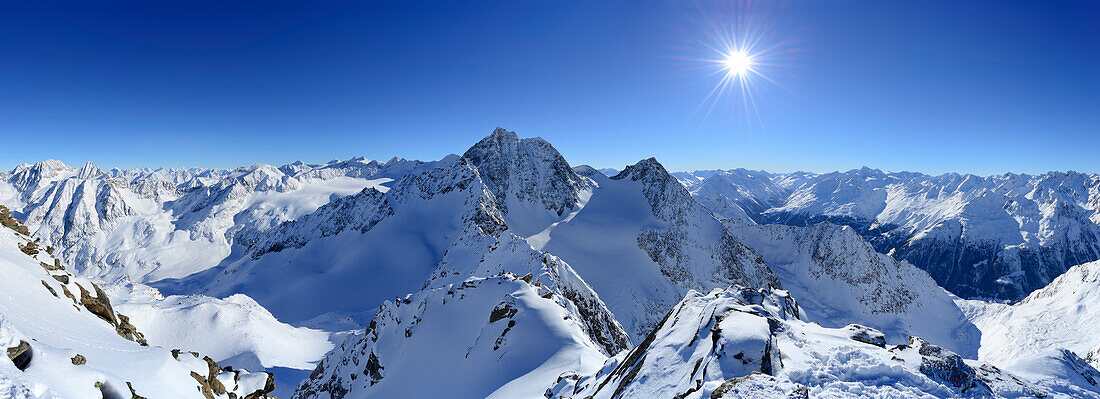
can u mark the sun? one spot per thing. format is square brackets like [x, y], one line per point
[738, 62]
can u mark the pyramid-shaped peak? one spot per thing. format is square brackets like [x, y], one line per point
[526, 169]
[89, 171]
[504, 133]
[646, 169]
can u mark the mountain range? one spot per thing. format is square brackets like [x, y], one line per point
[507, 272]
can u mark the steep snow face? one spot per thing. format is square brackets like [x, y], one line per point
[642, 242]
[843, 280]
[150, 225]
[528, 174]
[979, 237]
[1063, 314]
[78, 346]
[742, 342]
[497, 337]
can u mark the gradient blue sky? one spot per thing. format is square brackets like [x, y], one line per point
[932, 86]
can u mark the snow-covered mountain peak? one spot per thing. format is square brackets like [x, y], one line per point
[647, 169]
[89, 171]
[526, 170]
[670, 201]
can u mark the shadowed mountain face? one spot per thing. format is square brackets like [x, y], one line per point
[980, 237]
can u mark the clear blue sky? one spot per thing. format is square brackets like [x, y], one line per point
[931, 86]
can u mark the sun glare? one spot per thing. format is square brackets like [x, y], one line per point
[738, 62]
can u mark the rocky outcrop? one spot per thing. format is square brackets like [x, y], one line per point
[21, 355]
[866, 335]
[100, 305]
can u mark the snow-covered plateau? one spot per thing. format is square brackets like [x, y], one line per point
[506, 272]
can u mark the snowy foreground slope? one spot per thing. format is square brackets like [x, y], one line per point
[1062, 315]
[64, 340]
[979, 237]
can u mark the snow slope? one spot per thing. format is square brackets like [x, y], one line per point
[1062, 315]
[642, 242]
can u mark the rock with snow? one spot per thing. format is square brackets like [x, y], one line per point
[753, 343]
[498, 337]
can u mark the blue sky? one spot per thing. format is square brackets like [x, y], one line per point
[931, 86]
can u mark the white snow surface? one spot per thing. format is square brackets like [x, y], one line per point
[843, 280]
[235, 331]
[1062, 315]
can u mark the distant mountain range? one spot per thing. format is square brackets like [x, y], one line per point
[995, 237]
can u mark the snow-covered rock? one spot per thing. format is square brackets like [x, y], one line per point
[742, 342]
[498, 337]
[843, 280]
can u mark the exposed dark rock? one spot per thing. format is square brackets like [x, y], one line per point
[128, 331]
[867, 335]
[55, 266]
[374, 368]
[31, 248]
[945, 366]
[503, 310]
[61, 278]
[79, 360]
[20, 355]
[133, 394]
[269, 386]
[48, 288]
[99, 305]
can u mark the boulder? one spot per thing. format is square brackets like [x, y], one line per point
[20, 355]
